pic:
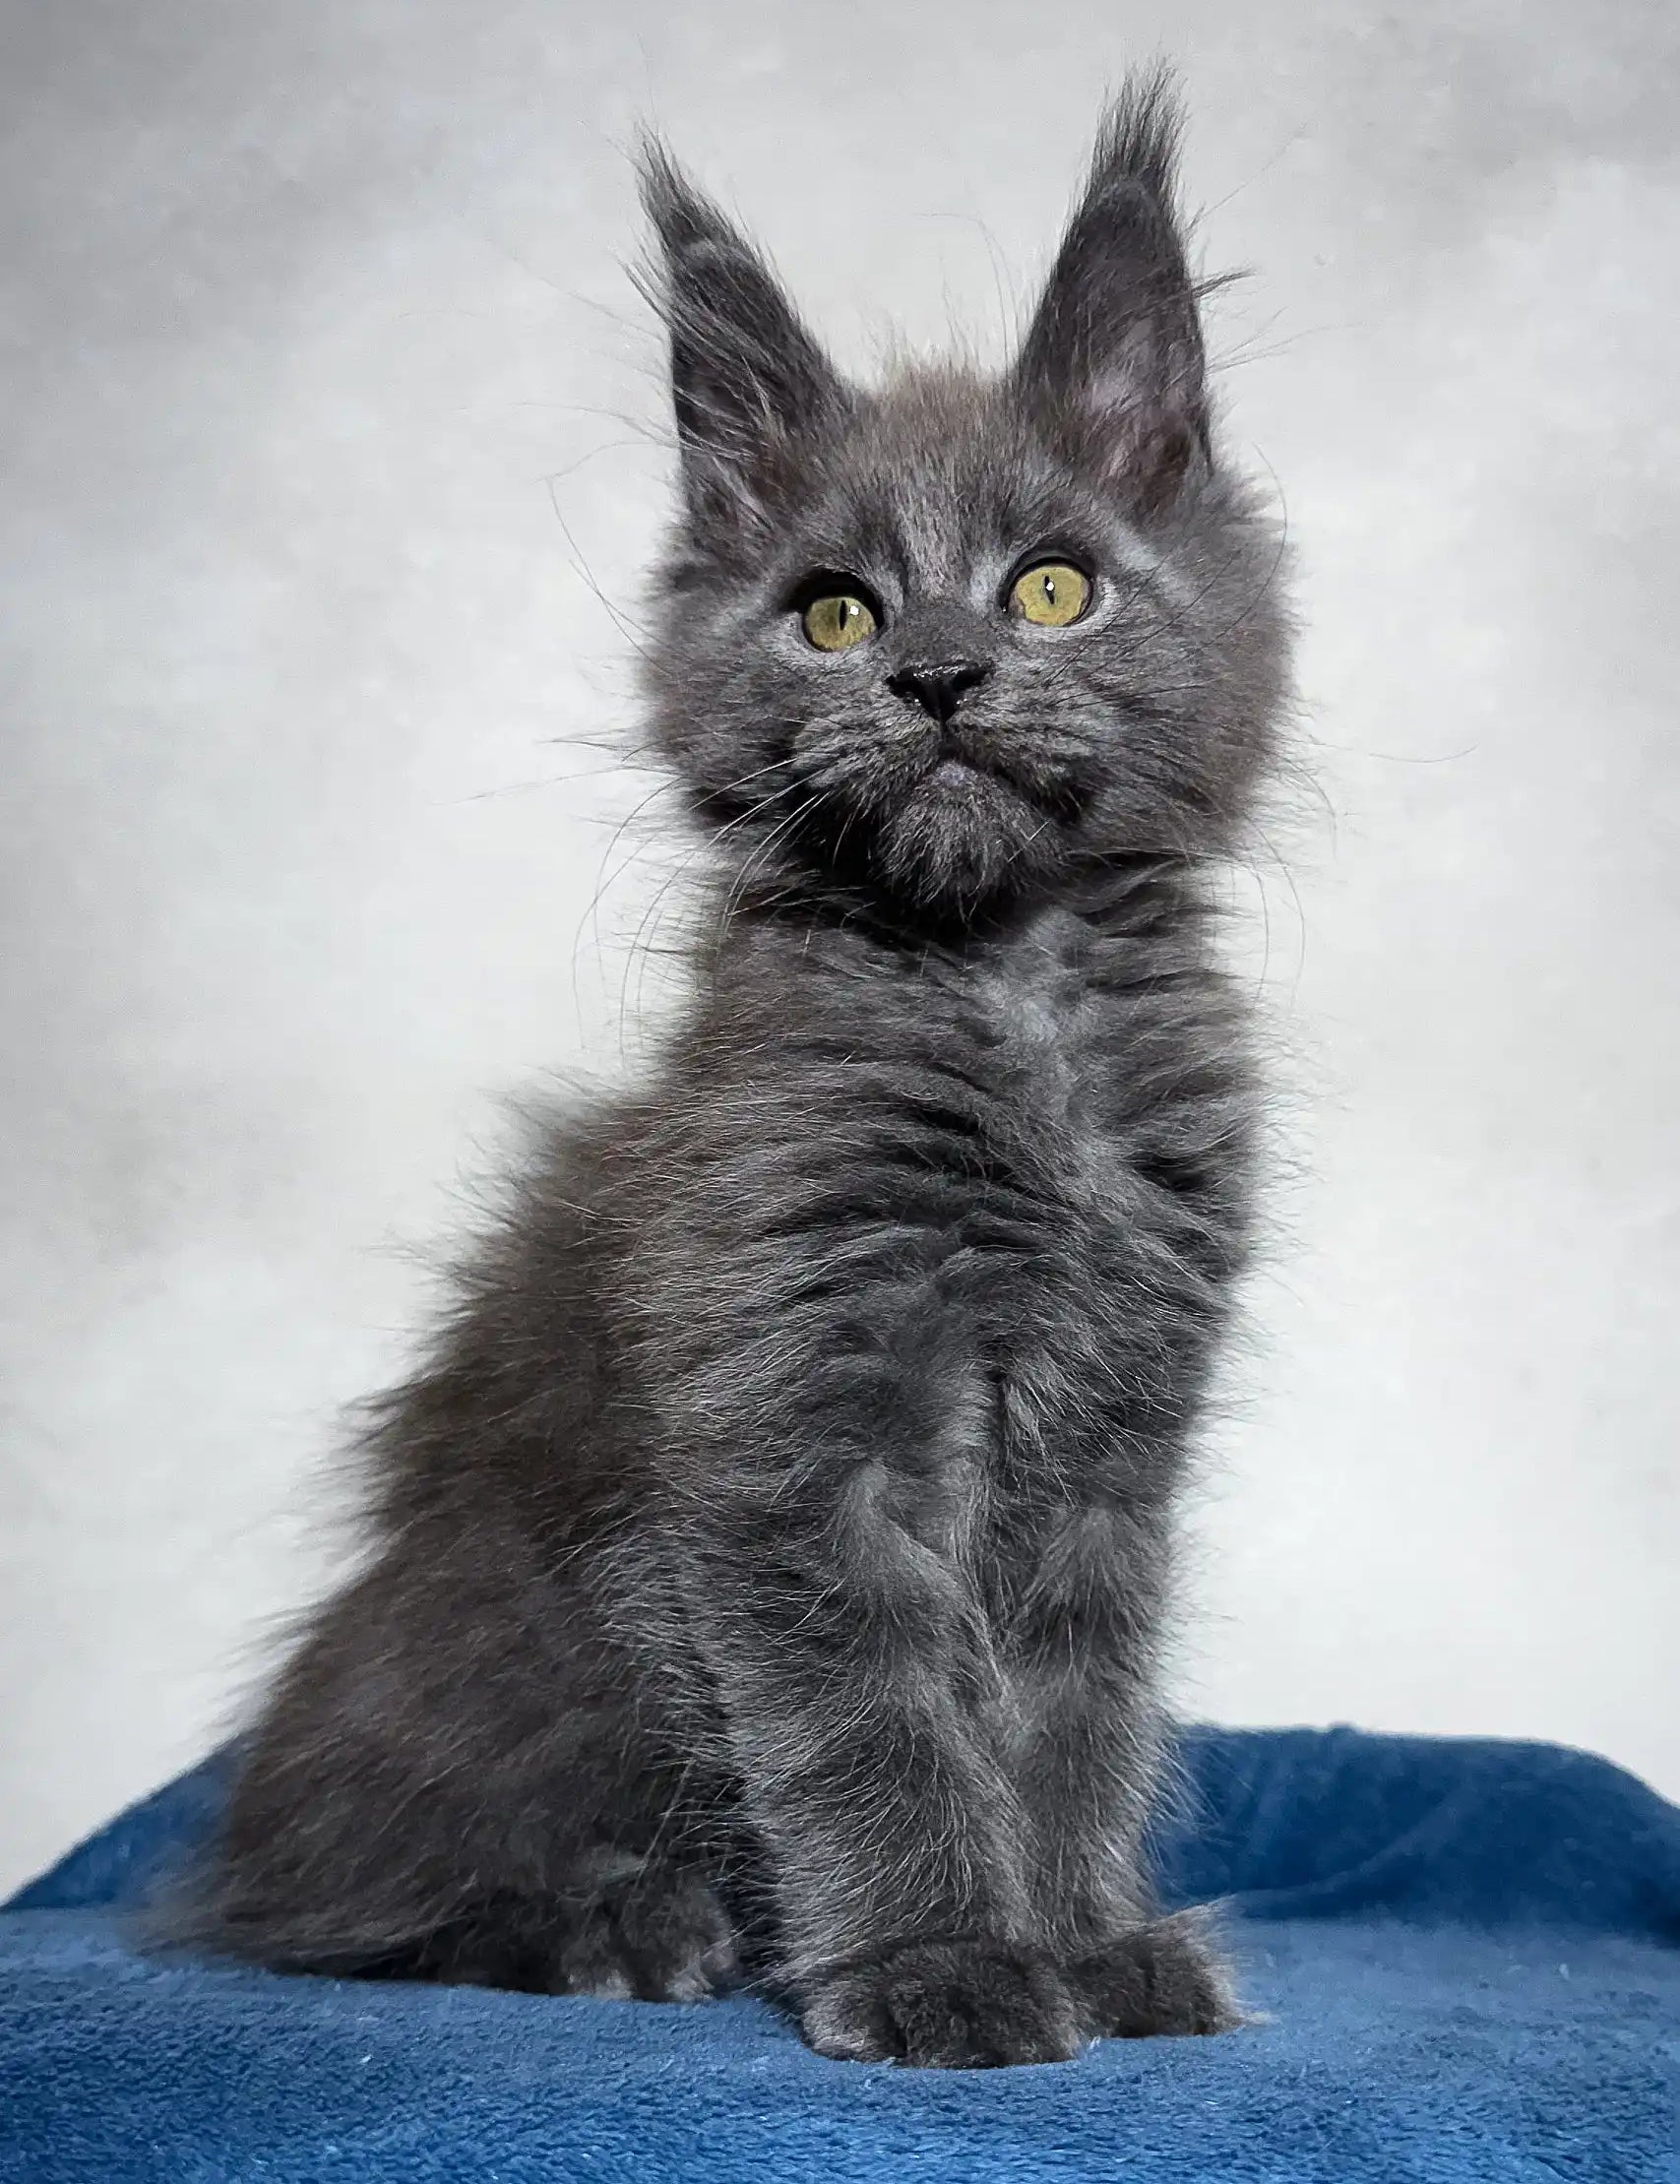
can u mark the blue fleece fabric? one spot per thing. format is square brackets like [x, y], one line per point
[1468, 1955]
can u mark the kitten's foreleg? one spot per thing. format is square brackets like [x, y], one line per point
[1088, 1762]
[846, 1661]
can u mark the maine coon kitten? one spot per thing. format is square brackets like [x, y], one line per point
[766, 1567]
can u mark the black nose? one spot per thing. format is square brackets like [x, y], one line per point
[938, 689]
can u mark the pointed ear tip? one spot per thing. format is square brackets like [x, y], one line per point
[657, 175]
[681, 214]
[1142, 130]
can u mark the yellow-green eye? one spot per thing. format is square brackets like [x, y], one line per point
[1052, 594]
[836, 622]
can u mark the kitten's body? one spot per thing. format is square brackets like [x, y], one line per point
[771, 1559]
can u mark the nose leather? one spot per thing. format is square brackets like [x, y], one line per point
[939, 686]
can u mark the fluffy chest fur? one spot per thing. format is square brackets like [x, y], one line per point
[981, 1203]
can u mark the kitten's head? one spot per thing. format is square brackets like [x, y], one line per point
[954, 640]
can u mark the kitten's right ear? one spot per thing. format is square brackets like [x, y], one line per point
[747, 380]
[1113, 361]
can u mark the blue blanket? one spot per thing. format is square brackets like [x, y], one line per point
[1468, 1953]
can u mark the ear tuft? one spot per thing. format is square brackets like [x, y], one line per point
[1113, 364]
[748, 382]
[1140, 137]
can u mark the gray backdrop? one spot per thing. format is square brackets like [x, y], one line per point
[332, 436]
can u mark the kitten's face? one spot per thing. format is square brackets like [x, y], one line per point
[963, 745]
[951, 641]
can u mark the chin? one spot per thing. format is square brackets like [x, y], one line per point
[963, 842]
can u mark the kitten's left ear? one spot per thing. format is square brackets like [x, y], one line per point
[1113, 360]
[747, 380]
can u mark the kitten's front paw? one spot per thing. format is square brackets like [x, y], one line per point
[946, 2005]
[1162, 1977]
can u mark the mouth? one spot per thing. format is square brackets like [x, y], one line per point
[965, 779]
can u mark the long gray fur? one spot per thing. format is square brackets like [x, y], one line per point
[767, 1569]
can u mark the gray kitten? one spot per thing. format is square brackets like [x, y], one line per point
[766, 1568]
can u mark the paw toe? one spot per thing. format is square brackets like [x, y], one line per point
[650, 1943]
[945, 2006]
[1161, 1979]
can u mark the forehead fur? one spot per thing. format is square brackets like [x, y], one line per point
[937, 466]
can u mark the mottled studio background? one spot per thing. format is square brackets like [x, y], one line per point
[321, 386]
